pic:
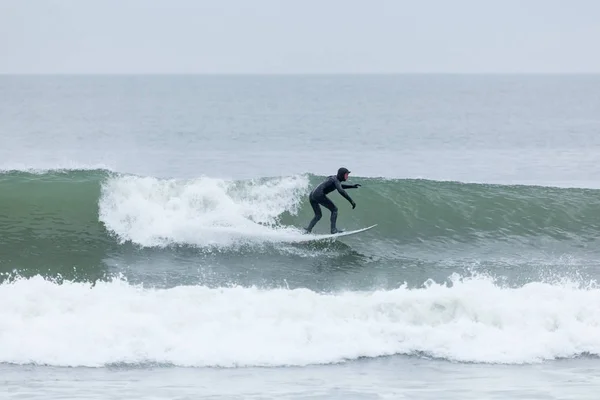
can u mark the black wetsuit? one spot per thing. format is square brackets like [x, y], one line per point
[319, 196]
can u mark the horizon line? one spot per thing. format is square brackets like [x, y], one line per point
[282, 73]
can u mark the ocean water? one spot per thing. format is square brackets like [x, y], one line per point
[151, 240]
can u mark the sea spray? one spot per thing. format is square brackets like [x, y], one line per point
[202, 211]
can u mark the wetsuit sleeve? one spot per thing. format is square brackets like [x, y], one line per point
[348, 186]
[340, 189]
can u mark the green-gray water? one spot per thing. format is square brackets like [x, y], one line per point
[151, 230]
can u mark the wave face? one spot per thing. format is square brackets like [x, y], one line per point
[85, 225]
[450, 211]
[98, 207]
[471, 320]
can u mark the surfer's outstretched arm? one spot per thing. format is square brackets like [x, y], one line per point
[350, 186]
[341, 190]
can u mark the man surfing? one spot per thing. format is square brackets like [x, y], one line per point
[318, 197]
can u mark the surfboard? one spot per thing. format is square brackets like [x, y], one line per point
[314, 237]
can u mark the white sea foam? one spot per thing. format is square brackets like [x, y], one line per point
[203, 211]
[473, 320]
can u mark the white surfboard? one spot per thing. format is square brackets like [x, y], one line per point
[314, 237]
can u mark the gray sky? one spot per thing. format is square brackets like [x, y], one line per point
[302, 36]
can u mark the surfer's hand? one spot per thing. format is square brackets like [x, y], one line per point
[356, 186]
[353, 205]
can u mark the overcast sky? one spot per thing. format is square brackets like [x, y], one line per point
[302, 36]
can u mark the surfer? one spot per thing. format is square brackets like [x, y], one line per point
[318, 197]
